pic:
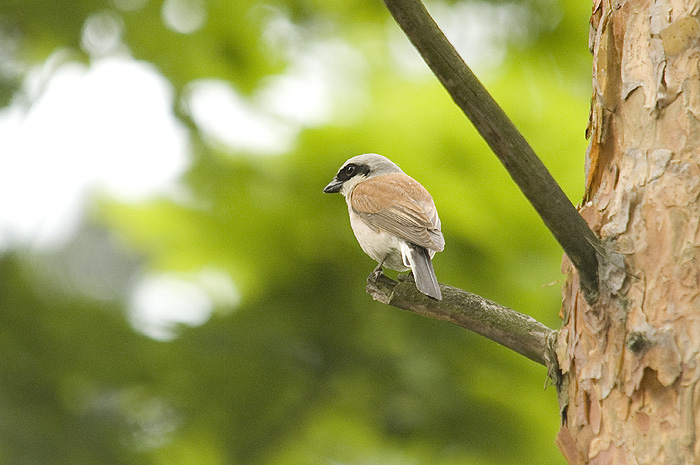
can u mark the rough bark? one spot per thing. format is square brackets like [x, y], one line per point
[632, 360]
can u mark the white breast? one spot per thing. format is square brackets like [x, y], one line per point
[378, 245]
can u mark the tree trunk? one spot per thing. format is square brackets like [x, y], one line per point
[632, 360]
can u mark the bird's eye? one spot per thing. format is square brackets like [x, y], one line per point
[351, 170]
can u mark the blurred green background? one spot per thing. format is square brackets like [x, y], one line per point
[175, 288]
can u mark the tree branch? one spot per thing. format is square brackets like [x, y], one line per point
[511, 148]
[511, 329]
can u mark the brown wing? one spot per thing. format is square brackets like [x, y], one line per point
[398, 204]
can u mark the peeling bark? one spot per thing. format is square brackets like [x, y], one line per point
[633, 358]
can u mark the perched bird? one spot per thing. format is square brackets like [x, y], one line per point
[393, 217]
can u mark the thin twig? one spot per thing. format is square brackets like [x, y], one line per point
[511, 148]
[516, 331]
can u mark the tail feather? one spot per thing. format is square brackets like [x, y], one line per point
[419, 260]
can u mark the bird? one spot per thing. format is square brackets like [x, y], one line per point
[393, 217]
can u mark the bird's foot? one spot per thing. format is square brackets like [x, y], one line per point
[376, 273]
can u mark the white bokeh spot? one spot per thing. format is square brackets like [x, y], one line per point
[108, 127]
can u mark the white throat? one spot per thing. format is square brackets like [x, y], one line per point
[349, 185]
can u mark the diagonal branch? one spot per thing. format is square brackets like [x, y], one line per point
[516, 331]
[511, 148]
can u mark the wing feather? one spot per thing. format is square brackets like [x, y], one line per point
[398, 204]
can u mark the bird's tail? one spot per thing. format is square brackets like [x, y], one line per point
[418, 259]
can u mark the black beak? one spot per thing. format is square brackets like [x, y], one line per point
[333, 187]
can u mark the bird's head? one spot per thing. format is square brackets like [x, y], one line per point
[358, 169]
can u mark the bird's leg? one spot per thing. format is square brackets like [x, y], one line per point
[378, 270]
[410, 276]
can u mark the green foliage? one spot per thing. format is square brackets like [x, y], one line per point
[305, 369]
